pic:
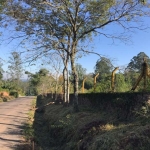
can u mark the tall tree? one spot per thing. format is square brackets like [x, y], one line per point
[55, 64]
[65, 24]
[40, 82]
[103, 66]
[15, 68]
[136, 62]
[1, 70]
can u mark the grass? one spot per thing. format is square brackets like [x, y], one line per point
[29, 131]
[60, 128]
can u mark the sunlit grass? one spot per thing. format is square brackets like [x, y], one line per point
[29, 131]
[107, 127]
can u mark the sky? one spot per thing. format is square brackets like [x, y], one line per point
[120, 53]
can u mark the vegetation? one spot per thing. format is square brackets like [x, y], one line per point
[90, 129]
[136, 61]
[81, 75]
[65, 26]
[45, 81]
[28, 131]
[103, 66]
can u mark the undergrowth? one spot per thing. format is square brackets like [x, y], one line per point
[60, 128]
[28, 132]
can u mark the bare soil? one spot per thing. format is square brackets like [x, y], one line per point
[13, 116]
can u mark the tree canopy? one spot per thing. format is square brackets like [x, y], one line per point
[15, 68]
[136, 62]
[103, 66]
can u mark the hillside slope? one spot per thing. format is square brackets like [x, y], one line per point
[58, 127]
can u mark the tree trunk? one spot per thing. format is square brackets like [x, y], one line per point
[65, 85]
[66, 80]
[56, 87]
[68, 86]
[75, 83]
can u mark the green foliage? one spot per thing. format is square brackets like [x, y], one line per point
[81, 74]
[43, 72]
[136, 62]
[124, 137]
[124, 104]
[57, 129]
[1, 71]
[121, 84]
[8, 84]
[2, 2]
[103, 84]
[28, 131]
[15, 72]
[14, 93]
[40, 82]
[103, 66]
[65, 25]
[89, 82]
[15, 68]
[124, 81]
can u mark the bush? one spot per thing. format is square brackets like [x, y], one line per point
[14, 93]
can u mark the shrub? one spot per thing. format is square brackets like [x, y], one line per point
[14, 93]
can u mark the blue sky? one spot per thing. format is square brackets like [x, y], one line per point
[121, 53]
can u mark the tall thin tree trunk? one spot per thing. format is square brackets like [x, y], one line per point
[75, 83]
[65, 85]
[56, 88]
[66, 80]
[68, 86]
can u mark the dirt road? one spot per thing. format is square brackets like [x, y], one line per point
[13, 115]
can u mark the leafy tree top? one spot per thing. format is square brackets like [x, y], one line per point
[136, 62]
[15, 68]
[60, 25]
[103, 66]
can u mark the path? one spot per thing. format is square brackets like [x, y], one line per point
[13, 115]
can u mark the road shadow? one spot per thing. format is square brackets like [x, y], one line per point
[12, 126]
[4, 116]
